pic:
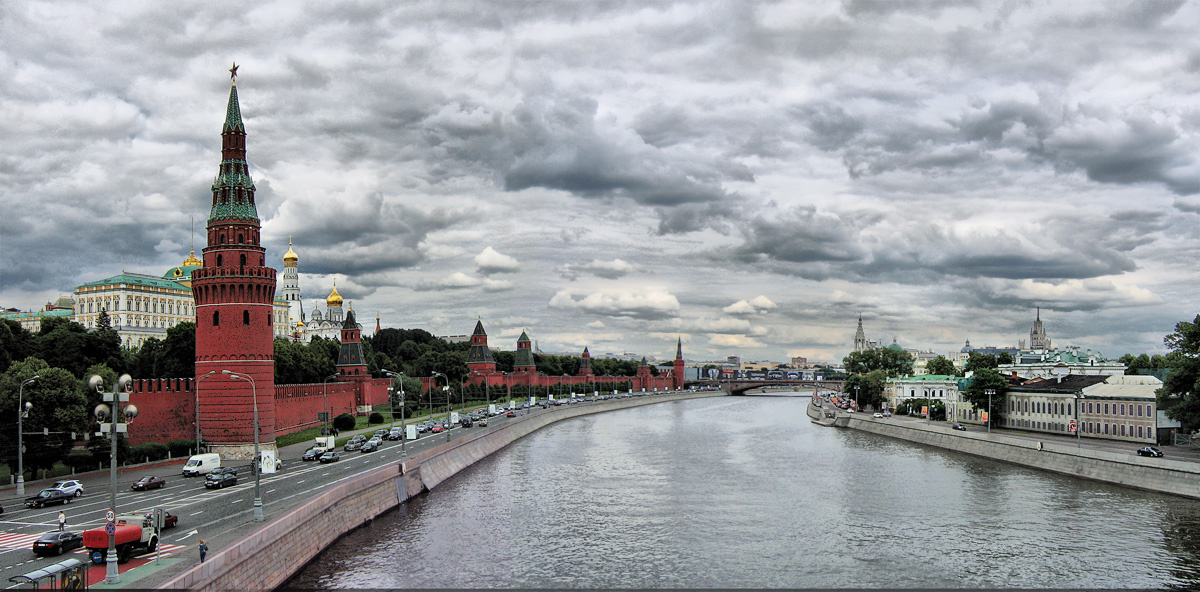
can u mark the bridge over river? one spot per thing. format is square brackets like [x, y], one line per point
[739, 387]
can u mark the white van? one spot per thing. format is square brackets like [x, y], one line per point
[201, 464]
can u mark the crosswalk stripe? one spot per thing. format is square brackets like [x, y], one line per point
[11, 540]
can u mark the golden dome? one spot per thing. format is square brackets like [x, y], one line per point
[192, 260]
[334, 299]
[290, 258]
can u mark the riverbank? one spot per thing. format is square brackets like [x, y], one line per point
[1161, 475]
[266, 557]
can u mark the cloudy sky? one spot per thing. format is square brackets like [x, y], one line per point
[749, 176]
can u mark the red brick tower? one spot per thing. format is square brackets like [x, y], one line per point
[479, 357]
[523, 361]
[234, 291]
[643, 369]
[585, 363]
[351, 366]
[677, 372]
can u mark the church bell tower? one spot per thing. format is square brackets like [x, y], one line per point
[234, 292]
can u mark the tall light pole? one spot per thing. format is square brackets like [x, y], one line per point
[119, 395]
[989, 393]
[256, 466]
[399, 377]
[1078, 424]
[462, 390]
[445, 389]
[22, 410]
[196, 388]
[325, 401]
[856, 398]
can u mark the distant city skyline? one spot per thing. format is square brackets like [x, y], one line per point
[747, 176]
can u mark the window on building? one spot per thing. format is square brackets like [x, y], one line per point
[1122, 429]
[1105, 429]
[242, 257]
[1122, 412]
[1149, 432]
[1139, 412]
[216, 318]
[1139, 431]
[245, 317]
[1106, 410]
[219, 256]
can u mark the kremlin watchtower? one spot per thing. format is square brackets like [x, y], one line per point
[351, 365]
[677, 373]
[523, 360]
[479, 357]
[585, 363]
[234, 292]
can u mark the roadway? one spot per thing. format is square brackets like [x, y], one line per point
[219, 516]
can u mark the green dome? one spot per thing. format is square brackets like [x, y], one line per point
[181, 273]
[895, 347]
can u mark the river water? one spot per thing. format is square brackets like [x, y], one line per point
[747, 492]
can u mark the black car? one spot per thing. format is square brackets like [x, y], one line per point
[372, 445]
[960, 427]
[46, 497]
[1149, 451]
[313, 453]
[57, 543]
[149, 482]
[220, 478]
[466, 422]
[395, 434]
[329, 457]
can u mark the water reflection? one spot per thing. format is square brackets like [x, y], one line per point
[746, 492]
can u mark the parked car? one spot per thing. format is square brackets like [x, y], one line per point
[960, 427]
[46, 497]
[220, 478]
[313, 453]
[355, 443]
[372, 445]
[57, 543]
[169, 520]
[148, 482]
[1149, 451]
[395, 434]
[331, 456]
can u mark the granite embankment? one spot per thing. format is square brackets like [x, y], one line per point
[268, 556]
[1162, 475]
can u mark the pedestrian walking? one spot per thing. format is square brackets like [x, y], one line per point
[62, 521]
[203, 550]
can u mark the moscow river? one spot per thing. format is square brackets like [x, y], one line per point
[746, 492]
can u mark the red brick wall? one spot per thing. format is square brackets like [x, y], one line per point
[166, 411]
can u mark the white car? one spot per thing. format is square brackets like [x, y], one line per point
[72, 487]
[879, 415]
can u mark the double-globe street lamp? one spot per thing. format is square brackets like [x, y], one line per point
[257, 466]
[119, 394]
[23, 408]
[399, 377]
[445, 389]
[989, 393]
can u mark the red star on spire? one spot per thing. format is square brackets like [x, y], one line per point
[233, 72]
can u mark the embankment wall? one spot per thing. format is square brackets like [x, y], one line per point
[1153, 474]
[272, 553]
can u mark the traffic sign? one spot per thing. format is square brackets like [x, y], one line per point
[1072, 426]
[109, 516]
[110, 528]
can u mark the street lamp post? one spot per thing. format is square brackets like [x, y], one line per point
[119, 395]
[196, 388]
[989, 393]
[462, 391]
[1078, 425]
[257, 466]
[445, 389]
[325, 402]
[22, 410]
[398, 376]
[856, 398]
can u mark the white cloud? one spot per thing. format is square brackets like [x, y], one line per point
[614, 269]
[760, 304]
[596, 325]
[489, 261]
[647, 303]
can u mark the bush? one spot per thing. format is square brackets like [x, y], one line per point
[181, 448]
[80, 460]
[149, 451]
[375, 417]
[344, 421]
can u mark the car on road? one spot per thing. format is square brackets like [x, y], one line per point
[510, 413]
[958, 426]
[1149, 451]
[887, 413]
[879, 415]
[329, 457]
[169, 520]
[220, 478]
[395, 434]
[466, 422]
[355, 443]
[148, 482]
[72, 487]
[372, 445]
[57, 543]
[483, 422]
[381, 434]
[46, 497]
[437, 428]
[313, 453]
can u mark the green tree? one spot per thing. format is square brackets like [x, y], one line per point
[977, 361]
[58, 405]
[178, 357]
[870, 388]
[893, 362]
[1179, 395]
[983, 380]
[942, 366]
[1004, 358]
[103, 322]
